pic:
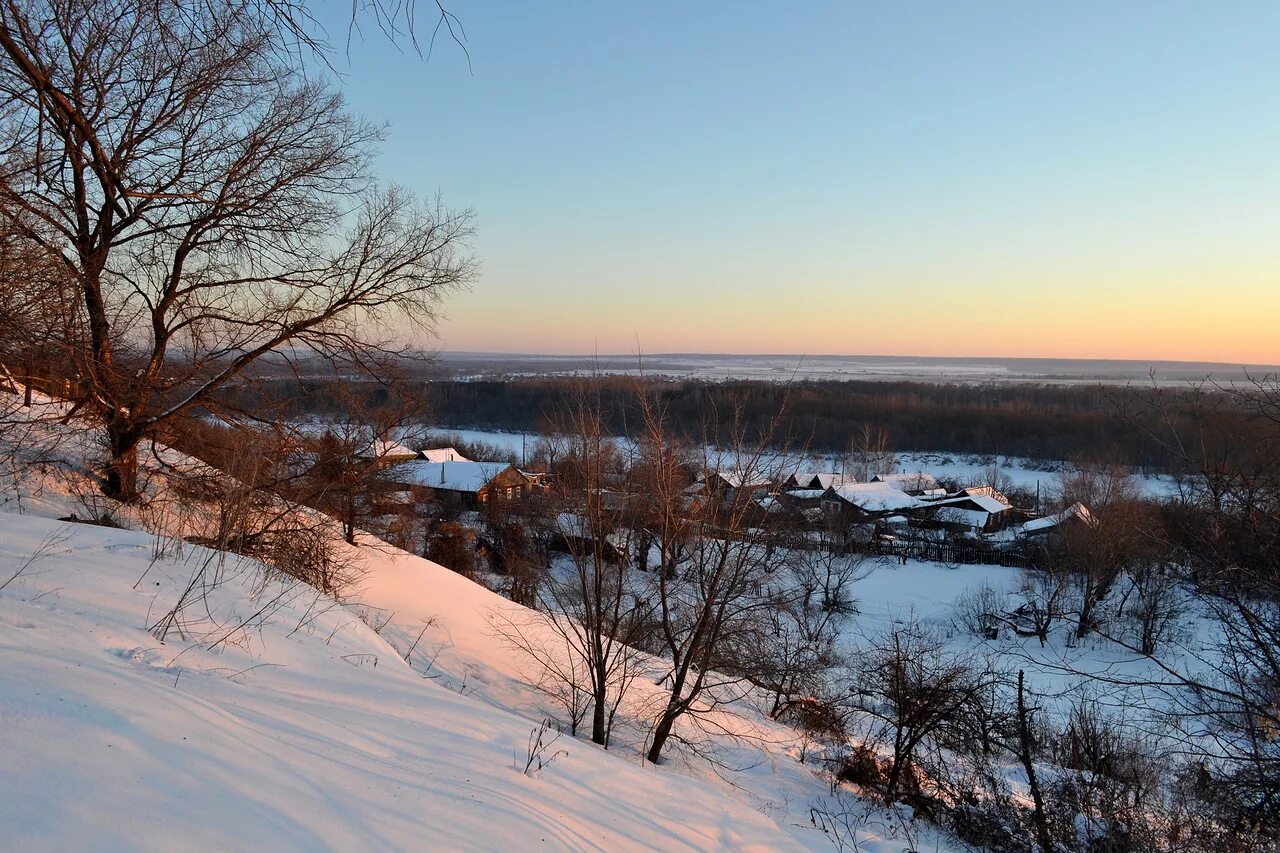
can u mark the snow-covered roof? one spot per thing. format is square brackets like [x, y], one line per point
[918, 481]
[769, 504]
[806, 494]
[875, 497]
[965, 517]
[985, 502]
[450, 476]
[383, 448]
[737, 480]
[1040, 525]
[988, 490]
[442, 454]
[822, 480]
[573, 524]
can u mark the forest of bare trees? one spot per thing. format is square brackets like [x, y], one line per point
[1035, 422]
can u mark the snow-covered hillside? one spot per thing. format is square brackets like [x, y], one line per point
[158, 695]
[304, 729]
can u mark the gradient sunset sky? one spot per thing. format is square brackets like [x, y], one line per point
[1095, 180]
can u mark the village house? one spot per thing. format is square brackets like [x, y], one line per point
[441, 454]
[988, 491]
[1058, 523]
[917, 484]
[467, 485]
[385, 451]
[971, 513]
[725, 487]
[864, 502]
[574, 535]
[802, 500]
[812, 481]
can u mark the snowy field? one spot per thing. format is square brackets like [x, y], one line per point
[1024, 473]
[787, 368]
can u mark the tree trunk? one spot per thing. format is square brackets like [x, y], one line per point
[891, 784]
[902, 749]
[660, 735]
[1024, 752]
[26, 389]
[122, 463]
[349, 523]
[599, 723]
[1086, 616]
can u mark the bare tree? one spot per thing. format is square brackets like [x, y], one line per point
[997, 478]
[347, 460]
[915, 692]
[870, 453]
[208, 202]
[39, 332]
[1095, 554]
[1154, 603]
[244, 505]
[813, 599]
[591, 620]
[1223, 530]
[1026, 751]
[717, 552]
[1043, 592]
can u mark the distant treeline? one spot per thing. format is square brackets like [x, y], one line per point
[1045, 422]
[1016, 420]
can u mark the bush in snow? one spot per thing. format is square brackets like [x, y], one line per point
[981, 611]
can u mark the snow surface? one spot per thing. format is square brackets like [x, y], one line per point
[1027, 474]
[877, 497]
[453, 476]
[271, 716]
[308, 729]
[115, 740]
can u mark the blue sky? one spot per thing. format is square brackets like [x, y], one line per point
[1093, 180]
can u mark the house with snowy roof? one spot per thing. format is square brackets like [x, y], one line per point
[385, 451]
[1058, 522]
[860, 502]
[467, 485]
[972, 511]
[727, 486]
[918, 483]
[812, 480]
[441, 454]
[989, 491]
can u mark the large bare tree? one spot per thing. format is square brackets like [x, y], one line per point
[210, 202]
[717, 550]
[590, 619]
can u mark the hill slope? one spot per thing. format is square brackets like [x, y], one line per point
[114, 739]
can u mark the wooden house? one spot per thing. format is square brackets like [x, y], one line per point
[467, 485]
[1058, 523]
[441, 454]
[864, 502]
[977, 513]
[916, 484]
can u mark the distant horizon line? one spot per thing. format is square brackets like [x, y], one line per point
[815, 356]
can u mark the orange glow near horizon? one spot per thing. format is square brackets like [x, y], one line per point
[1190, 319]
